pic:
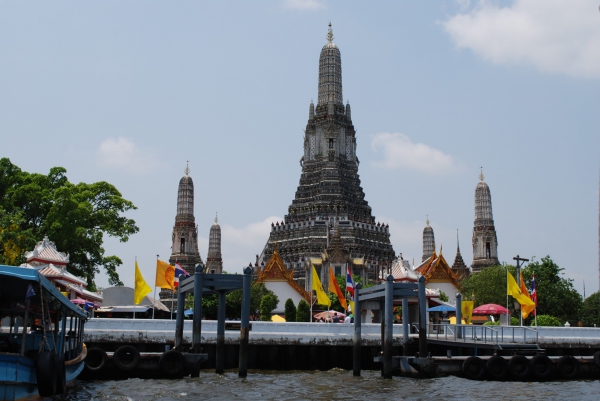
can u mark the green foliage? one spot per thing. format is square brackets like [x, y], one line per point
[490, 323]
[443, 296]
[590, 312]
[290, 310]
[514, 321]
[267, 304]
[488, 286]
[303, 311]
[74, 216]
[556, 295]
[547, 320]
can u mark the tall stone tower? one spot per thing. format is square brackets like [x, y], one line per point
[428, 241]
[329, 194]
[485, 243]
[214, 262]
[185, 232]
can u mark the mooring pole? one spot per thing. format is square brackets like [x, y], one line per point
[458, 326]
[245, 326]
[357, 331]
[220, 362]
[422, 319]
[405, 326]
[179, 321]
[388, 337]
[197, 325]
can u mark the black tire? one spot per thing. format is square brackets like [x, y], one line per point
[541, 367]
[61, 373]
[597, 359]
[473, 368]
[96, 359]
[496, 368]
[45, 373]
[519, 367]
[568, 367]
[172, 364]
[126, 358]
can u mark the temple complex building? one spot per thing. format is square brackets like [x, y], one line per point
[485, 242]
[214, 261]
[459, 267]
[185, 234]
[329, 200]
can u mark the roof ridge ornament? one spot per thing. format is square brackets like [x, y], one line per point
[187, 168]
[330, 34]
[481, 176]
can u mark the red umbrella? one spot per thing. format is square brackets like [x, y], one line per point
[490, 309]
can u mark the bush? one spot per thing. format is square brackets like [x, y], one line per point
[290, 310]
[267, 304]
[303, 312]
[547, 320]
[514, 321]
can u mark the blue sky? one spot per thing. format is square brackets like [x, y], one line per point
[127, 92]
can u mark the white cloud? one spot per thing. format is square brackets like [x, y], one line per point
[304, 5]
[400, 152]
[553, 35]
[121, 153]
[240, 245]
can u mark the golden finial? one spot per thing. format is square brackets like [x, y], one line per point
[216, 217]
[481, 176]
[427, 220]
[187, 168]
[330, 34]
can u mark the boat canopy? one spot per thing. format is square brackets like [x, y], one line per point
[17, 289]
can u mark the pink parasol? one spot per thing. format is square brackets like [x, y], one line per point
[329, 314]
[490, 309]
[79, 301]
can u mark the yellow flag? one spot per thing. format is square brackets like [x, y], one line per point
[322, 298]
[141, 286]
[514, 290]
[165, 275]
[467, 310]
[526, 309]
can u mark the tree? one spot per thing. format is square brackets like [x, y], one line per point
[488, 286]
[443, 296]
[590, 312]
[267, 304]
[303, 311]
[547, 320]
[290, 310]
[556, 295]
[74, 216]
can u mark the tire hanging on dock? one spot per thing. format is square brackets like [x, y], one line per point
[61, 373]
[568, 367]
[95, 360]
[172, 364]
[45, 373]
[474, 368]
[597, 359]
[519, 367]
[126, 358]
[497, 368]
[541, 366]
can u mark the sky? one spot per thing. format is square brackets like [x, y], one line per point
[128, 92]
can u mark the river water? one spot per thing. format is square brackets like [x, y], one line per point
[335, 384]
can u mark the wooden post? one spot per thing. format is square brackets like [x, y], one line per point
[179, 321]
[458, 327]
[245, 326]
[220, 362]
[357, 331]
[388, 335]
[197, 323]
[422, 319]
[405, 326]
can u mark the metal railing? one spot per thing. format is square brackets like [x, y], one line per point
[484, 334]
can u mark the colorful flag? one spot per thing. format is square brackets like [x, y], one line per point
[534, 297]
[349, 281]
[322, 298]
[525, 309]
[467, 310]
[179, 271]
[514, 290]
[30, 292]
[335, 288]
[165, 275]
[141, 286]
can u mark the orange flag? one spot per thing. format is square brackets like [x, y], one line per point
[525, 309]
[335, 288]
[165, 275]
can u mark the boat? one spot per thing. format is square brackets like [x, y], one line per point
[41, 337]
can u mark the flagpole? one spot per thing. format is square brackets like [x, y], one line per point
[154, 302]
[535, 304]
[507, 310]
[311, 292]
[134, 294]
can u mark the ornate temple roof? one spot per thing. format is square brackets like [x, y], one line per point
[45, 252]
[436, 269]
[275, 270]
[402, 271]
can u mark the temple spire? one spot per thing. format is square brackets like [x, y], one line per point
[330, 34]
[187, 168]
